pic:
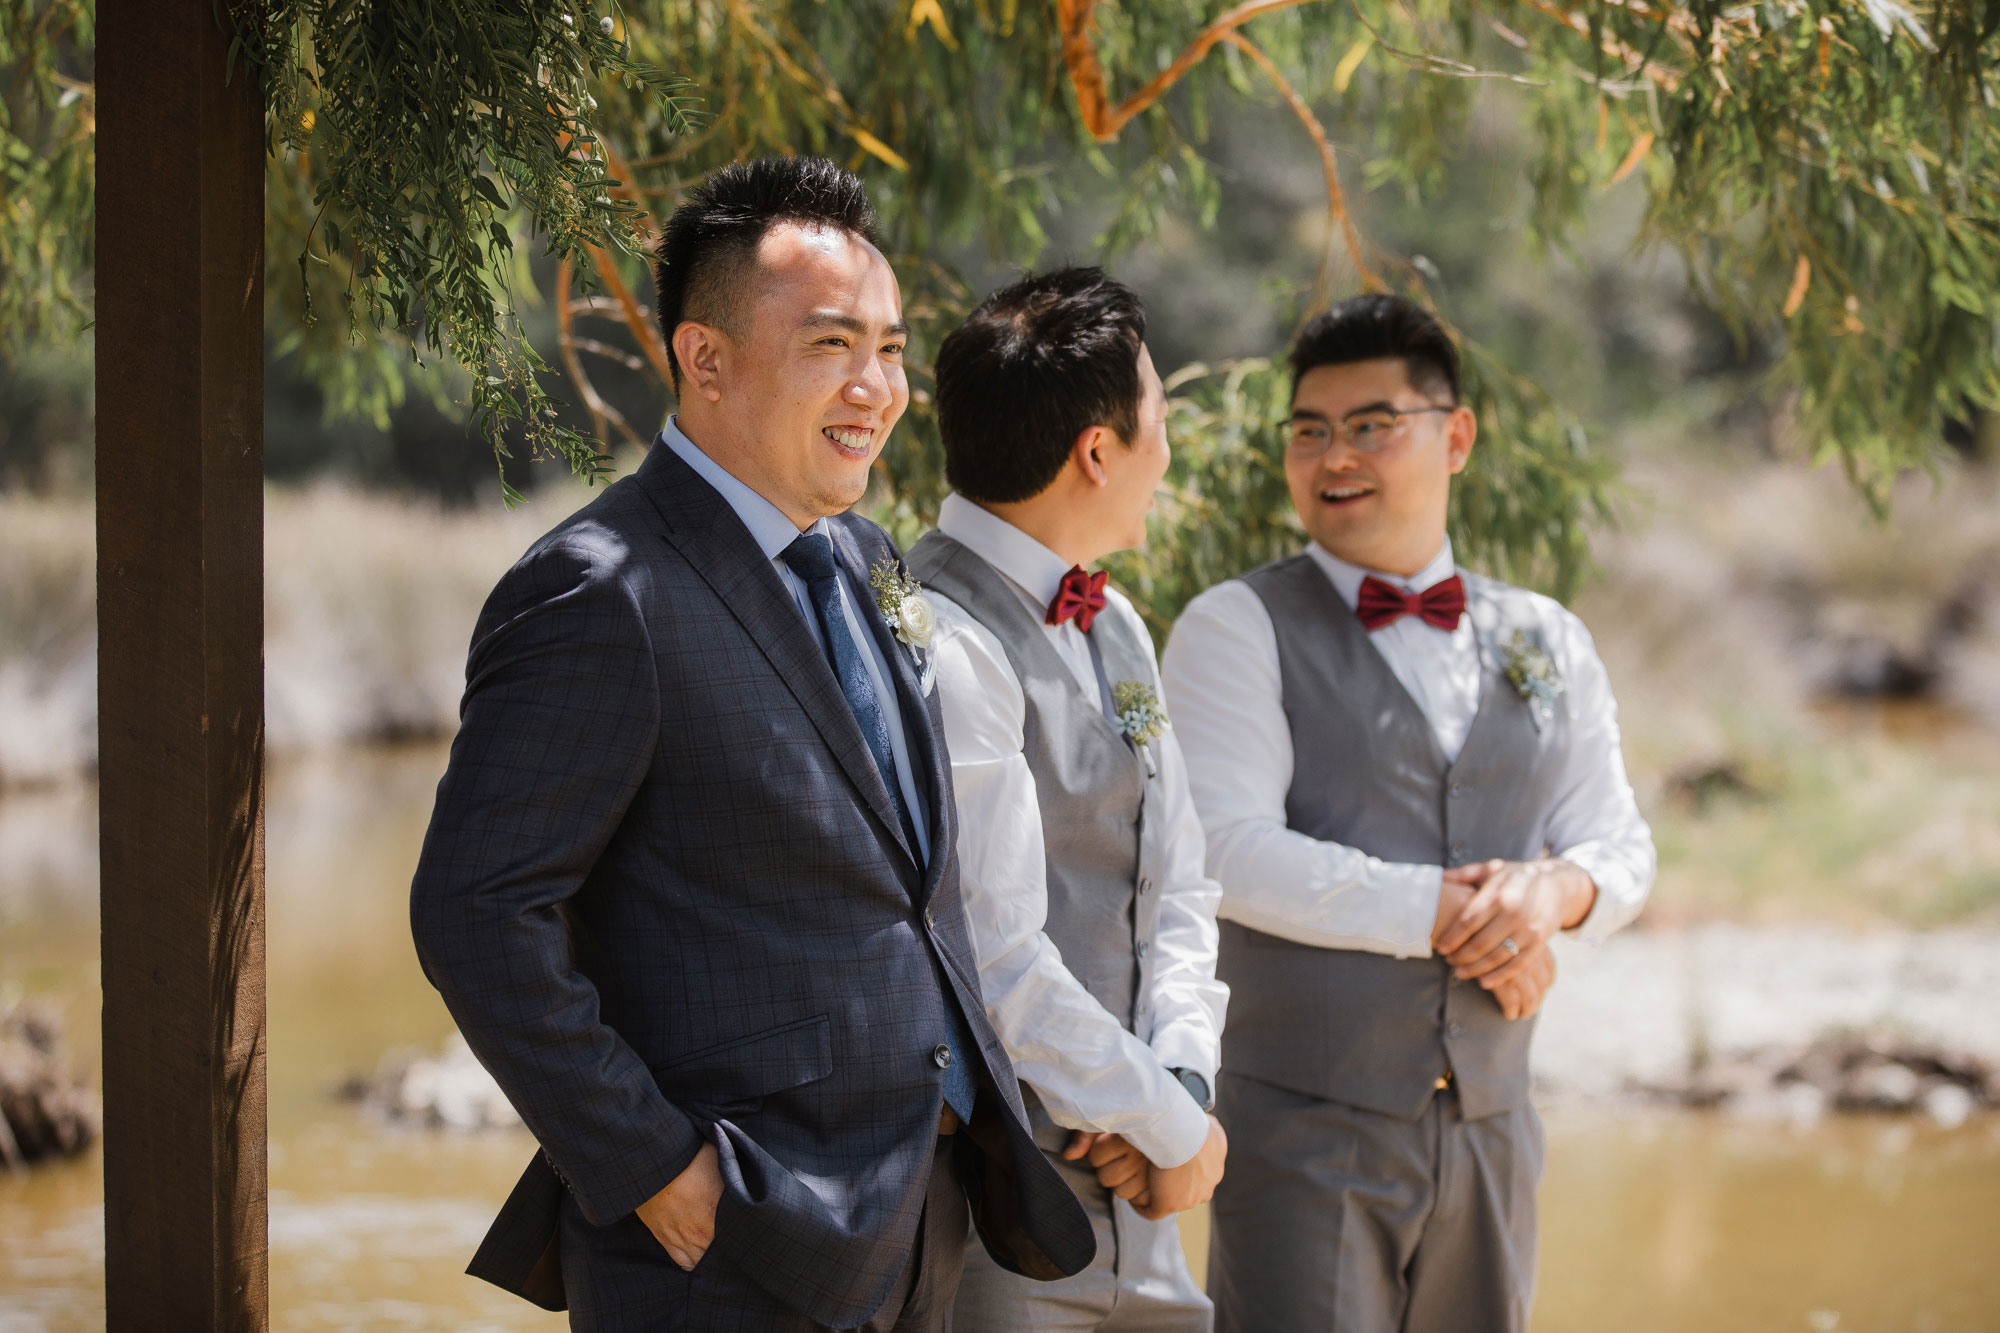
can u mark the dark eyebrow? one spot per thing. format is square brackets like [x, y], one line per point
[1310, 415]
[1379, 405]
[829, 319]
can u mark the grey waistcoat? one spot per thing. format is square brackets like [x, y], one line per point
[1099, 799]
[1362, 1028]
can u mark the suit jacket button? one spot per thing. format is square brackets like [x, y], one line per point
[930, 922]
[942, 1055]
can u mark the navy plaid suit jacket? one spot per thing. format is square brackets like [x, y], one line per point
[667, 899]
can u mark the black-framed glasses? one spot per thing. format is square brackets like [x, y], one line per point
[1308, 435]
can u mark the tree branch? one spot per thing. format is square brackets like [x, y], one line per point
[1336, 199]
[1086, 74]
[565, 340]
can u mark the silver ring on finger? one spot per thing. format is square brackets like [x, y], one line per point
[1513, 949]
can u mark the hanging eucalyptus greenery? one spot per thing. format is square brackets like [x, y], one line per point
[1826, 169]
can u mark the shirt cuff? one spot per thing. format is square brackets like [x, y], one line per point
[1175, 1137]
[1607, 912]
[1418, 887]
[1188, 1045]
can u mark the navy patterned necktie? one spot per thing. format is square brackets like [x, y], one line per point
[811, 558]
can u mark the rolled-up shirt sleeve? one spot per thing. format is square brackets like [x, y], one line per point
[1596, 823]
[1225, 695]
[1088, 1070]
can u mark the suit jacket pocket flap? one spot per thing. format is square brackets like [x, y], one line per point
[742, 1071]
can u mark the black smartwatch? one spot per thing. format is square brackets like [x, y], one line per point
[1197, 1088]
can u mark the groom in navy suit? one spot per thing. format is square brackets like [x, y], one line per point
[689, 889]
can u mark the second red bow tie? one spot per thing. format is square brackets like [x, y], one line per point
[1079, 596]
[1382, 603]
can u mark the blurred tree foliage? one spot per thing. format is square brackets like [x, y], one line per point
[1827, 169]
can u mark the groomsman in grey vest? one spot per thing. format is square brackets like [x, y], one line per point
[1092, 918]
[1410, 779]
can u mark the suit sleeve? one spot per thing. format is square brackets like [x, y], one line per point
[557, 731]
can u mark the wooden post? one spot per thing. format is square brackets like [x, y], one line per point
[180, 588]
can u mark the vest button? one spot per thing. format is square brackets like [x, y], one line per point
[1142, 948]
[1145, 884]
[1457, 788]
[942, 1056]
[1451, 1029]
[1457, 851]
[930, 922]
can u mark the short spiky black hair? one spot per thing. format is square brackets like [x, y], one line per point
[1036, 365]
[1378, 327]
[710, 238]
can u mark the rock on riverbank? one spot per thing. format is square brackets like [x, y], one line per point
[449, 1090]
[1781, 1022]
[46, 1109]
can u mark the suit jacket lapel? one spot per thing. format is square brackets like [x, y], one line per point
[921, 731]
[704, 529]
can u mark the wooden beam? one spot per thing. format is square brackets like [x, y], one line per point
[180, 593]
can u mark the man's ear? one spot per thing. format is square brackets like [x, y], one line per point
[1462, 429]
[1089, 450]
[700, 349]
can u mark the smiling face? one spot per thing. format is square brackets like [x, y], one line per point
[1383, 510]
[798, 400]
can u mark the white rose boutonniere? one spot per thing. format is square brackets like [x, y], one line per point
[1534, 676]
[916, 621]
[902, 603]
[909, 615]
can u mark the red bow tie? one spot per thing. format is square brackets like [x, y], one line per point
[1079, 595]
[1381, 603]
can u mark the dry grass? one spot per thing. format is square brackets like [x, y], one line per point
[369, 605]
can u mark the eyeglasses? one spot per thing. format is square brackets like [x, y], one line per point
[1366, 432]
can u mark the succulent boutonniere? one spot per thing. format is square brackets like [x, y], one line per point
[1141, 716]
[1534, 676]
[902, 603]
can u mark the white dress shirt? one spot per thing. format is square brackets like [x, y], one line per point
[773, 532]
[1088, 1070]
[1226, 697]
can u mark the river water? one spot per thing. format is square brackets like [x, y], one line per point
[1652, 1222]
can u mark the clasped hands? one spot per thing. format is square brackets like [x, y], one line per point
[1479, 906]
[1155, 1192]
[1488, 905]
[682, 1216]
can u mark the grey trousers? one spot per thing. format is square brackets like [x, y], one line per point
[1331, 1219]
[1139, 1282]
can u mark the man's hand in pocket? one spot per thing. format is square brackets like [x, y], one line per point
[682, 1216]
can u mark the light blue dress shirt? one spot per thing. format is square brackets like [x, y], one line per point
[773, 532]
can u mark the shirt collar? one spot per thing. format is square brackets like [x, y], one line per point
[1033, 567]
[1347, 578]
[769, 527]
